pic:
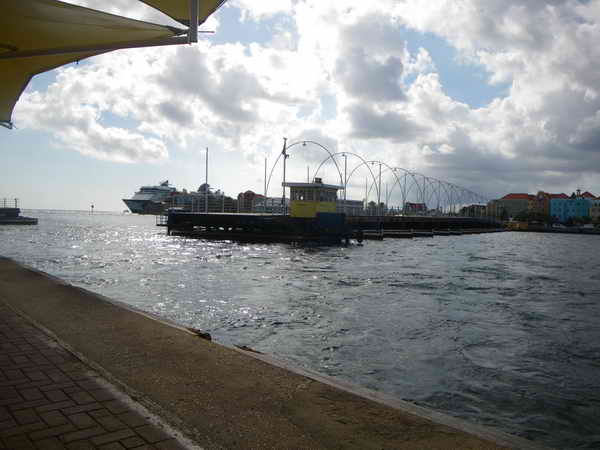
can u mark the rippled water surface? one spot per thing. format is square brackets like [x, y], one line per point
[500, 329]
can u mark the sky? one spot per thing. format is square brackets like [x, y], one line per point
[497, 96]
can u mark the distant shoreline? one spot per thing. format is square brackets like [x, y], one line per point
[73, 211]
[579, 231]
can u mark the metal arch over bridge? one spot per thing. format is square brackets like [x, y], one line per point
[417, 193]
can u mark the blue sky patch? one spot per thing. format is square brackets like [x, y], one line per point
[466, 83]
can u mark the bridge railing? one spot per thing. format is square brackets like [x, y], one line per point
[9, 202]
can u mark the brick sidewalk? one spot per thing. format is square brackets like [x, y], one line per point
[49, 399]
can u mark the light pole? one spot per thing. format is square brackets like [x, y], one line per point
[206, 184]
[285, 157]
[379, 192]
[345, 179]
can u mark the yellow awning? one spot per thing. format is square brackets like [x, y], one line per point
[180, 9]
[39, 35]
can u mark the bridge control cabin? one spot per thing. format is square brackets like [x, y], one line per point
[308, 199]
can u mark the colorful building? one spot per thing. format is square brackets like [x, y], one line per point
[563, 209]
[246, 201]
[510, 205]
[540, 203]
[595, 210]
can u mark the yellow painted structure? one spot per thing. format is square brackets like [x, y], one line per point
[308, 199]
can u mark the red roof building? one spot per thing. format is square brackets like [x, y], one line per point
[518, 197]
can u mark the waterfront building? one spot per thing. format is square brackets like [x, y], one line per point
[540, 203]
[510, 205]
[351, 207]
[473, 211]
[563, 209]
[415, 208]
[270, 205]
[247, 201]
[595, 210]
[202, 200]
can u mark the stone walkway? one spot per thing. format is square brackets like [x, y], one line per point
[49, 399]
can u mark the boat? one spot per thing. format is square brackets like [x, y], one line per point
[157, 200]
[10, 215]
[150, 199]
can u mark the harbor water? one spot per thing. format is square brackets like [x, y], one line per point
[499, 329]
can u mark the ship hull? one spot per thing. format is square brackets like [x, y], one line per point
[144, 206]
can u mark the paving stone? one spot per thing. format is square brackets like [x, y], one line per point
[170, 444]
[37, 375]
[133, 442]
[22, 429]
[26, 384]
[113, 446]
[82, 398]
[25, 416]
[19, 442]
[81, 408]
[112, 437]
[88, 385]
[14, 374]
[29, 404]
[99, 413]
[82, 420]
[115, 406]
[50, 400]
[54, 418]
[53, 406]
[7, 424]
[151, 434]
[101, 395]
[57, 386]
[57, 396]
[82, 434]
[8, 392]
[54, 431]
[132, 419]
[72, 389]
[49, 444]
[31, 393]
[111, 423]
[10, 401]
[58, 377]
[14, 381]
[81, 445]
[20, 359]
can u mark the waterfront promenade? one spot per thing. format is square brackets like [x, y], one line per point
[71, 360]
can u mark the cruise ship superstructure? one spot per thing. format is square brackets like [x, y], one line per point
[150, 199]
[158, 199]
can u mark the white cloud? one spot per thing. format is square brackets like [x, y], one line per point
[341, 74]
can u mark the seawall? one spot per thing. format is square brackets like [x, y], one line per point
[223, 397]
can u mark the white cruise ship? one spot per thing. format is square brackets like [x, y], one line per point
[150, 199]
